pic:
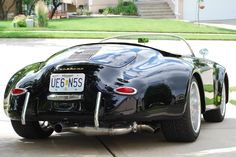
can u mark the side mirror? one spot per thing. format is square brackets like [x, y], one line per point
[204, 52]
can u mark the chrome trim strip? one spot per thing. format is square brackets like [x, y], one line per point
[96, 113]
[55, 97]
[23, 113]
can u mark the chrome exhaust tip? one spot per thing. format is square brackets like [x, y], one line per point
[58, 128]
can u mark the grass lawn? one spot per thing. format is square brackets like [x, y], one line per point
[117, 24]
[233, 102]
[72, 35]
[232, 89]
[208, 88]
[209, 101]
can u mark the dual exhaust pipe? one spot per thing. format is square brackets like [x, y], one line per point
[95, 131]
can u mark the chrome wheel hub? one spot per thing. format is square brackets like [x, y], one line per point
[195, 107]
[223, 100]
[45, 125]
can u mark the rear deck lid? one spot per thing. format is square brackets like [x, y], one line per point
[114, 55]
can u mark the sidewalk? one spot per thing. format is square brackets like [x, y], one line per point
[120, 33]
[227, 24]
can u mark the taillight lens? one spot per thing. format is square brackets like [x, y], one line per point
[18, 91]
[126, 90]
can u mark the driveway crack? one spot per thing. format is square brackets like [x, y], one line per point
[106, 147]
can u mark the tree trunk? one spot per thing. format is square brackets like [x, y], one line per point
[2, 14]
[9, 8]
[5, 10]
[19, 7]
[52, 13]
[55, 6]
[31, 6]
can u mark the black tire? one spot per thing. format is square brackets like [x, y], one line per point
[216, 115]
[32, 130]
[181, 130]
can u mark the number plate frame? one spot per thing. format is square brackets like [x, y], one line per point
[67, 82]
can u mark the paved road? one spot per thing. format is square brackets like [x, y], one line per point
[215, 140]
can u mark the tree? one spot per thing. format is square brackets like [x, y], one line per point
[4, 9]
[19, 6]
[56, 4]
[30, 5]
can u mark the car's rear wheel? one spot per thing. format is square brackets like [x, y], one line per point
[32, 130]
[187, 128]
[218, 114]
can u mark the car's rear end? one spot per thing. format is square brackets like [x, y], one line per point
[77, 90]
[72, 93]
[110, 89]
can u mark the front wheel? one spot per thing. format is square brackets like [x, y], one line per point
[32, 130]
[187, 128]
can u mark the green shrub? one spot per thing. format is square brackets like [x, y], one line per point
[100, 11]
[108, 10]
[19, 21]
[41, 12]
[123, 7]
[127, 8]
[86, 12]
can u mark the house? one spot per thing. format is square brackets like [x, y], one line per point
[214, 9]
[188, 9]
[180, 9]
[92, 5]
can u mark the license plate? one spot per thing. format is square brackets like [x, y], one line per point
[67, 82]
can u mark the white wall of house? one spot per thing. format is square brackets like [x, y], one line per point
[95, 5]
[215, 10]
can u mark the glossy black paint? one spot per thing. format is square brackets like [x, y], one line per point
[162, 80]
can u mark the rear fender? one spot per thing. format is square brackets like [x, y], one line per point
[220, 77]
[21, 79]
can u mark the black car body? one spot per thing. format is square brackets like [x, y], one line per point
[156, 90]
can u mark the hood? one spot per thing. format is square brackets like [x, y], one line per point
[114, 55]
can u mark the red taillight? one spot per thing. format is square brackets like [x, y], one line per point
[18, 91]
[126, 90]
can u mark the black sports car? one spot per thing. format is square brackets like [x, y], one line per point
[116, 87]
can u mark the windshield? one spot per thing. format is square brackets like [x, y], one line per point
[164, 42]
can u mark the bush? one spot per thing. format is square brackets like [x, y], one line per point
[41, 12]
[100, 11]
[19, 21]
[127, 8]
[123, 7]
[108, 10]
[83, 10]
[87, 12]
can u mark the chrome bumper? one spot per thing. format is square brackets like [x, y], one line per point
[55, 97]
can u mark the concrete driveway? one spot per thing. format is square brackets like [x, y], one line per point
[215, 140]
